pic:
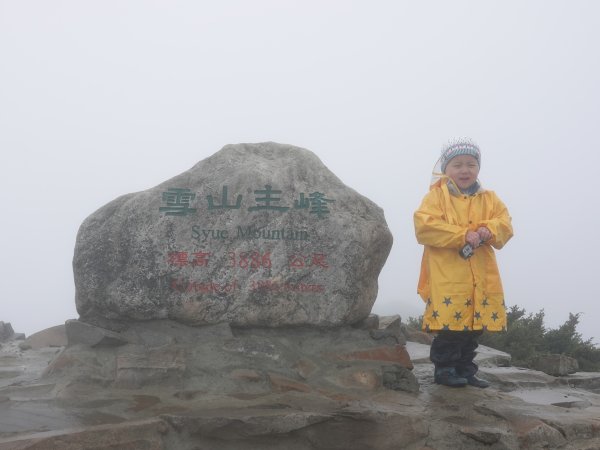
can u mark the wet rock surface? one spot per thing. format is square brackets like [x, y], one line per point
[169, 386]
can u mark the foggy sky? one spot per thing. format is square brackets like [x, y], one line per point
[103, 98]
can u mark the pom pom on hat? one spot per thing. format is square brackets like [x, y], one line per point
[459, 147]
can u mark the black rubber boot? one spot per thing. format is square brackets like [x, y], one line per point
[477, 382]
[447, 376]
[466, 366]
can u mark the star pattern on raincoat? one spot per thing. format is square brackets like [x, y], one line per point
[445, 283]
[435, 314]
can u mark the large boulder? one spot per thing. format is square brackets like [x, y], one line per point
[255, 235]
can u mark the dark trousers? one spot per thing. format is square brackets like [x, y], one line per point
[455, 349]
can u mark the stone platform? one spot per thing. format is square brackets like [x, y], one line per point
[223, 388]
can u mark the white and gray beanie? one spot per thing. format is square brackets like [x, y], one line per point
[459, 147]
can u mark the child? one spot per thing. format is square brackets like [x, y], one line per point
[462, 288]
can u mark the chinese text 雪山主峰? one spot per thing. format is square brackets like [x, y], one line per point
[178, 202]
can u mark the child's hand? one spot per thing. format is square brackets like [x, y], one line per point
[473, 238]
[484, 233]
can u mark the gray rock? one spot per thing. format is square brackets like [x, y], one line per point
[139, 366]
[399, 378]
[79, 332]
[415, 335]
[370, 323]
[217, 359]
[6, 331]
[584, 380]
[510, 379]
[555, 365]
[50, 337]
[390, 326]
[255, 235]
[486, 356]
[490, 357]
[487, 436]
[384, 334]
[386, 321]
[581, 404]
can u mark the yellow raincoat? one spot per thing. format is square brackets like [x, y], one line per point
[461, 294]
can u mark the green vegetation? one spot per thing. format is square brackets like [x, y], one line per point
[416, 323]
[528, 338]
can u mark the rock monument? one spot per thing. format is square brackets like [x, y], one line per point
[255, 235]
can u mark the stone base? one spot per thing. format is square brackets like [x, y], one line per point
[162, 385]
[225, 360]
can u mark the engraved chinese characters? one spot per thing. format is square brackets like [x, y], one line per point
[257, 234]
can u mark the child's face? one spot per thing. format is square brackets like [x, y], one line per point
[463, 170]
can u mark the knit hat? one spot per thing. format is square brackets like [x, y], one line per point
[459, 147]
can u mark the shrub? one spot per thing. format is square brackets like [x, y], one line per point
[416, 323]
